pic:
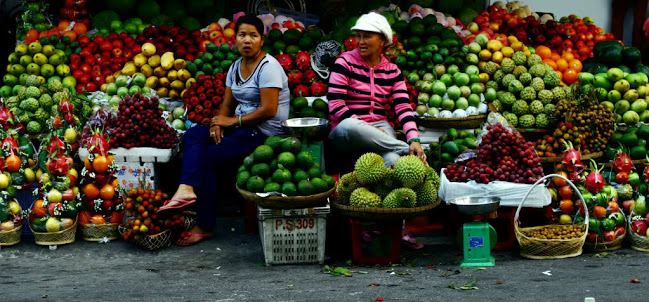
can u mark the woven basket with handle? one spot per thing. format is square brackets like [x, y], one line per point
[536, 248]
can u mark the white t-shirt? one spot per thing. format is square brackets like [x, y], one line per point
[268, 73]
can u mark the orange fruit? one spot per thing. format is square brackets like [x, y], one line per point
[63, 25]
[599, 212]
[79, 28]
[575, 64]
[550, 62]
[12, 163]
[71, 34]
[544, 52]
[38, 209]
[555, 56]
[91, 191]
[566, 206]
[31, 35]
[568, 55]
[562, 65]
[84, 217]
[570, 75]
[97, 219]
[107, 192]
[100, 164]
[87, 164]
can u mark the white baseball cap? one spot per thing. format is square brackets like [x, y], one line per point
[374, 22]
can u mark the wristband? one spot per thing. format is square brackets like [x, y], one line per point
[414, 139]
[240, 121]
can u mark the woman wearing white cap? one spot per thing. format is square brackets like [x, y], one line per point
[361, 83]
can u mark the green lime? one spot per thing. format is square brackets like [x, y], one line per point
[305, 159]
[314, 172]
[248, 162]
[282, 175]
[263, 154]
[272, 187]
[319, 185]
[261, 170]
[331, 182]
[300, 103]
[274, 142]
[286, 159]
[255, 184]
[242, 178]
[307, 112]
[305, 188]
[242, 168]
[300, 175]
[291, 144]
[289, 189]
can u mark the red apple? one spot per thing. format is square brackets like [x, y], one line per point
[473, 27]
[627, 205]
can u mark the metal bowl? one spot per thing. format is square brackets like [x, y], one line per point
[476, 205]
[310, 127]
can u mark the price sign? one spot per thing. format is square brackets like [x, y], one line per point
[291, 224]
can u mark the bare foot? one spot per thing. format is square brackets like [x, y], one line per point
[184, 192]
[194, 236]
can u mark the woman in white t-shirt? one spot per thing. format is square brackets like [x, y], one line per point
[256, 100]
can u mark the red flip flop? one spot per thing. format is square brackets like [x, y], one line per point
[181, 204]
[187, 235]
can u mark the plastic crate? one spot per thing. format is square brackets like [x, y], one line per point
[375, 242]
[293, 236]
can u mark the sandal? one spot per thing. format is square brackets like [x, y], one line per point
[181, 204]
[187, 235]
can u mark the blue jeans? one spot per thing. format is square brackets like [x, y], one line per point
[210, 168]
[352, 137]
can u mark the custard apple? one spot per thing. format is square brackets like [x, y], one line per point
[549, 109]
[520, 108]
[536, 107]
[507, 65]
[498, 75]
[45, 101]
[542, 121]
[498, 105]
[538, 70]
[21, 93]
[511, 118]
[534, 59]
[528, 93]
[507, 79]
[491, 84]
[24, 118]
[537, 84]
[519, 70]
[60, 96]
[32, 92]
[32, 80]
[41, 115]
[33, 127]
[567, 90]
[519, 58]
[55, 86]
[526, 121]
[507, 99]
[30, 104]
[491, 67]
[515, 86]
[551, 79]
[558, 94]
[12, 102]
[525, 78]
[545, 96]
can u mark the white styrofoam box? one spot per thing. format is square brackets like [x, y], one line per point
[138, 155]
[511, 194]
[129, 174]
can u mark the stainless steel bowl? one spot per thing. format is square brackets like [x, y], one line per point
[476, 205]
[311, 127]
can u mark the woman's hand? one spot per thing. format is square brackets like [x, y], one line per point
[224, 121]
[416, 149]
[216, 133]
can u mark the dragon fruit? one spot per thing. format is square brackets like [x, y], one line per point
[6, 116]
[286, 61]
[350, 43]
[301, 90]
[571, 157]
[98, 144]
[310, 75]
[295, 77]
[302, 60]
[56, 145]
[622, 163]
[10, 145]
[318, 88]
[594, 180]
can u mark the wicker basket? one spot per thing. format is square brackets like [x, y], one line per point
[606, 246]
[12, 237]
[383, 213]
[470, 122]
[55, 238]
[293, 202]
[536, 248]
[152, 242]
[532, 135]
[640, 243]
[99, 232]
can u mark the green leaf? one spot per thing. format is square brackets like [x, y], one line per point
[468, 286]
[342, 271]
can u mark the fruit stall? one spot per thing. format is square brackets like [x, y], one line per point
[534, 124]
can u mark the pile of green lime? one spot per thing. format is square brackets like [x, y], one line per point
[280, 165]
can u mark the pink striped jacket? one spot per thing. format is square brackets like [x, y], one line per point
[358, 91]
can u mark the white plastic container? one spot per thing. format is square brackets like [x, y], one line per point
[293, 236]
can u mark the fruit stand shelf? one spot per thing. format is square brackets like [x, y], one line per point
[141, 155]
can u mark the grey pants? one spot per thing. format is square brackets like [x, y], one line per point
[352, 137]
